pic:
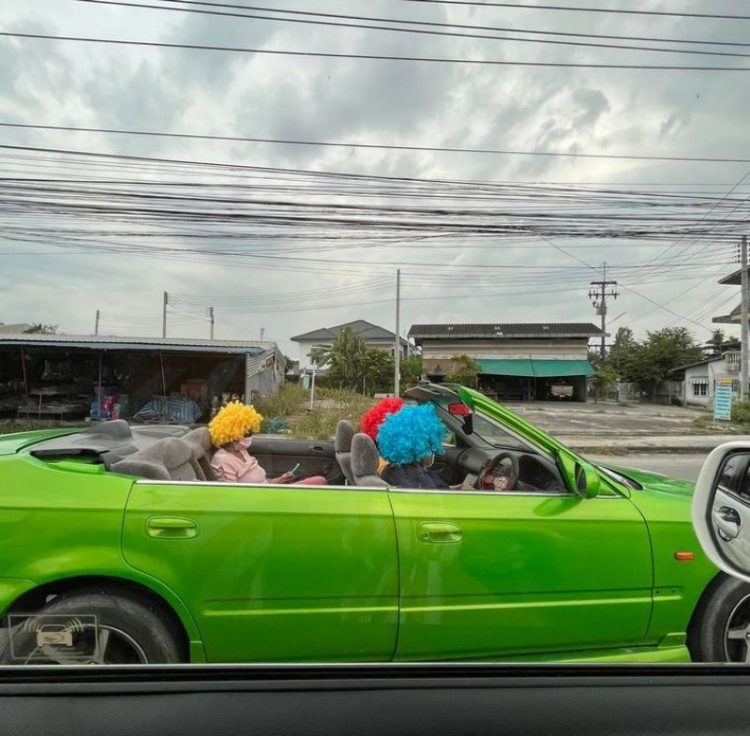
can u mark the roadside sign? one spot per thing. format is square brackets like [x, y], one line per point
[723, 400]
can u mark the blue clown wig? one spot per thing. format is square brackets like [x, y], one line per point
[410, 435]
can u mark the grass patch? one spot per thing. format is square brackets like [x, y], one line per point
[289, 400]
[320, 422]
[704, 421]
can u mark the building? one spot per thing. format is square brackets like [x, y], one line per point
[700, 379]
[735, 316]
[69, 376]
[520, 361]
[14, 329]
[374, 337]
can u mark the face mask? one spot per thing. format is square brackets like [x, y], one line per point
[244, 443]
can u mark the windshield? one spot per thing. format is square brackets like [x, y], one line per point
[493, 434]
[259, 266]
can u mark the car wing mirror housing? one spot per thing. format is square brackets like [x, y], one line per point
[580, 477]
[720, 512]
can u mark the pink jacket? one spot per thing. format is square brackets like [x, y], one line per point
[230, 468]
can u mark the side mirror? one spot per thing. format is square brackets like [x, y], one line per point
[721, 508]
[580, 477]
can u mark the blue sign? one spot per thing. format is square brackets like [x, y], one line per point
[723, 403]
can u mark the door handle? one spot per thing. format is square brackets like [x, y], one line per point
[727, 522]
[171, 527]
[317, 450]
[441, 532]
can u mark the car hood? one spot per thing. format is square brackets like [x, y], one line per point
[12, 443]
[655, 483]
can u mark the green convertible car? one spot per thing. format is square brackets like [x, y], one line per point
[117, 547]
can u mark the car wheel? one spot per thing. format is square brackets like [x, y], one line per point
[95, 627]
[722, 633]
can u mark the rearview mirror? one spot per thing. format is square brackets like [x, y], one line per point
[580, 477]
[459, 409]
[721, 508]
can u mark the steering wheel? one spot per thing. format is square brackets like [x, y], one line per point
[499, 473]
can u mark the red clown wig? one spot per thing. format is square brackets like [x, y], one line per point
[374, 417]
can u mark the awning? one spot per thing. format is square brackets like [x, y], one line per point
[535, 368]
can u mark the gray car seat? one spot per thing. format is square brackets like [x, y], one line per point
[365, 460]
[200, 443]
[343, 447]
[167, 459]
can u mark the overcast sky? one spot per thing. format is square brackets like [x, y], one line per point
[558, 109]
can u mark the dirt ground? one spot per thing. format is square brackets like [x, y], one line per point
[612, 419]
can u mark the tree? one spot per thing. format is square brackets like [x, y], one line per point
[378, 371]
[39, 329]
[411, 371]
[465, 370]
[717, 341]
[621, 347]
[604, 380]
[650, 362]
[345, 359]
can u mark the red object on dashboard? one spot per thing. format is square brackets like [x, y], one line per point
[458, 410]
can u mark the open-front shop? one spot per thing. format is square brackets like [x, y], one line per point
[145, 379]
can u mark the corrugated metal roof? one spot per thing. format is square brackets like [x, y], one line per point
[361, 327]
[504, 330]
[734, 278]
[108, 342]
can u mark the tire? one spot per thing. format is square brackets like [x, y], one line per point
[721, 631]
[128, 629]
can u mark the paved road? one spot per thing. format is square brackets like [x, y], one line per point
[682, 466]
[610, 419]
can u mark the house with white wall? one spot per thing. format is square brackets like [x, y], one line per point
[701, 379]
[373, 335]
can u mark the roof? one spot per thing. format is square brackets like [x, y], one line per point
[102, 342]
[361, 327]
[705, 361]
[734, 278]
[734, 317]
[505, 330]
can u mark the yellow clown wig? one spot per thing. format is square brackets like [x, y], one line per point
[233, 422]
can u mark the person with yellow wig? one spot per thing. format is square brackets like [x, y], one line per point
[231, 432]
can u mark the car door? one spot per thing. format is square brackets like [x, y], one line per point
[272, 573]
[315, 457]
[494, 575]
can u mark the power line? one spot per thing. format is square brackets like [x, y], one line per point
[419, 31]
[578, 9]
[375, 57]
[497, 29]
[352, 144]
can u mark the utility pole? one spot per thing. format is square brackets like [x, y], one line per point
[599, 300]
[211, 320]
[164, 315]
[96, 323]
[262, 332]
[397, 349]
[743, 317]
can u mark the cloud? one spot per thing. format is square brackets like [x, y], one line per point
[507, 108]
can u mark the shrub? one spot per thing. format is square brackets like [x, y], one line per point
[289, 400]
[741, 412]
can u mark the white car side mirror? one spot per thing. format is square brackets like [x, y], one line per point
[721, 508]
